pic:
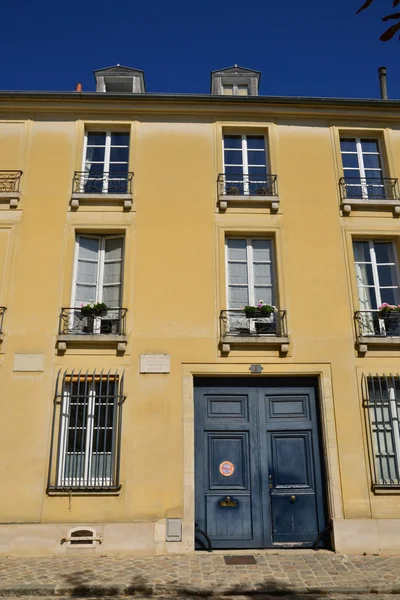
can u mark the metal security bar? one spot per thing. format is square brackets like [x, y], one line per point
[369, 323]
[74, 322]
[86, 432]
[247, 185]
[2, 312]
[358, 188]
[381, 395]
[10, 181]
[235, 323]
[105, 183]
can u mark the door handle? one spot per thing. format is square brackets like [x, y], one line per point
[292, 498]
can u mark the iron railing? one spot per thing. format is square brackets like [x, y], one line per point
[2, 312]
[10, 181]
[106, 183]
[381, 400]
[74, 322]
[369, 323]
[247, 185]
[356, 188]
[235, 323]
[85, 445]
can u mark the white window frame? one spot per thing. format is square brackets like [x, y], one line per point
[107, 155]
[361, 166]
[86, 479]
[374, 266]
[100, 272]
[250, 270]
[245, 157]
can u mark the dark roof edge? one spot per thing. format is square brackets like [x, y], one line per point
[126, 97]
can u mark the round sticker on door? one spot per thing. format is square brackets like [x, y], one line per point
[226, 468]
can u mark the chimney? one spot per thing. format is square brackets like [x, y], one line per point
[78, 87]
[383, 82]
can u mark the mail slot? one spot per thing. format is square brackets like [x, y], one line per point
[228, 502]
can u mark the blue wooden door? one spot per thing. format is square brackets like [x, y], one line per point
[257, 463]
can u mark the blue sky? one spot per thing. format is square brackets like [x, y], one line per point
[302, 47]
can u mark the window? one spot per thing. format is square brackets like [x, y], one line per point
[382, 406]
[376, 274]
[98, 279]
[235, 90]
[106, 162]
[377, 282]
[362, 168]
[89, 412]
[245, 165]
[249, 272]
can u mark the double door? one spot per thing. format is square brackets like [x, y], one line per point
[258, 470]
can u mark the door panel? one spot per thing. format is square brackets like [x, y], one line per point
[257, 464]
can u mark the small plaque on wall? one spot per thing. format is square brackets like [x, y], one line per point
[155, 363]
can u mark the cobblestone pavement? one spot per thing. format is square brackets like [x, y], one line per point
[291, 572]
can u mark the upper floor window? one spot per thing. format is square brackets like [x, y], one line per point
[99, 270]
[376, 274]
[245, 164]
[362, 168]
[106, 162]
[249, 272]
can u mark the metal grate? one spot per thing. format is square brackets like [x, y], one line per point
[382, 411]
[373, 323]
[247, 185]
[235, 323]
[10, 181]
[105, 183]
[373, 188]
[74, 322]
[86, 431]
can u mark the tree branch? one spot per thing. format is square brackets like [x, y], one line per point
[368, 3]
[389, 33]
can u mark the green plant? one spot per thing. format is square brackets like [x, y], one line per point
[264, 309]
[386, 309]
[93, 308]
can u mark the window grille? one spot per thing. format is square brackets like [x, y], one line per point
[86, 431]
[382, 410]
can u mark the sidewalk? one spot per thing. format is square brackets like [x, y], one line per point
[296, 573]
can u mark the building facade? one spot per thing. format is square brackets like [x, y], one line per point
[137, 396]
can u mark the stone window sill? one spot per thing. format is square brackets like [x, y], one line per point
[225, 200]
[125, 199]
[63, 341]
[348, 205]
[12, 197]
[272, 341]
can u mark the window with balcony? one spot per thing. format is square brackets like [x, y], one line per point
[377, 277]
[105, 166]
[97, 289]
[246, 169]
[364, 181]
[85, 450]
[251, 283]
[382, 406]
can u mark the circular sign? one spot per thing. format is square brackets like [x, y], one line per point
[226, 468]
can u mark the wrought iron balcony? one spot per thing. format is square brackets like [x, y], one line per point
[106, 183]
[234, 323]
[2, 312]
[369, 189]
[10, 181]
[74, 322]
[374, 329]
[247, 185]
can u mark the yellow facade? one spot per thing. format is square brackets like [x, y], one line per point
[174, 288]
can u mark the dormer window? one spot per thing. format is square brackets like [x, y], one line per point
[119, 79]
[235, 81]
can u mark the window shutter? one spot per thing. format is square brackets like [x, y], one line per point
[87, 271]
[112, 275]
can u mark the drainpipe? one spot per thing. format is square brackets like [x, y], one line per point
[383, 82]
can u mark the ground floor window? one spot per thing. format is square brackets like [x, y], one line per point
[382, 406]
[86, 431]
